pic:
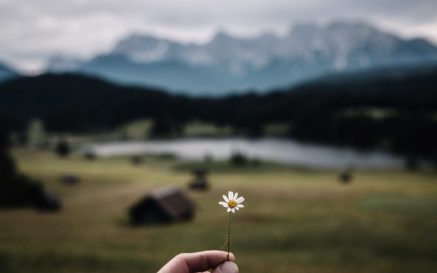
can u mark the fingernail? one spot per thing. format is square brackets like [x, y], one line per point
[228, 267]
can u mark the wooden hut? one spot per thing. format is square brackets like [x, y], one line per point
[48, 201]
[164, 205]
[70, 179]
[200, 181]
[345, 177]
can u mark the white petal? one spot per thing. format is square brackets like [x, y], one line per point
[240, 206]
[229, 209]
[224, 204]
[231, 195]
[226, 199]
[240, 200]
[235, 195]
[233, 210]
[237, 208]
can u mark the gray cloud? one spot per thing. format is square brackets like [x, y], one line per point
[34, 30]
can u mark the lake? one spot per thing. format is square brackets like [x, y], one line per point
[269, 149]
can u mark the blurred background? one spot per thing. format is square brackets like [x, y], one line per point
[122, 124]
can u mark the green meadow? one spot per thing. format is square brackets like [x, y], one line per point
[294, 220]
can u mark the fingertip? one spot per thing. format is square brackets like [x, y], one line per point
[226, 267]
[201, 261]
[231, 257]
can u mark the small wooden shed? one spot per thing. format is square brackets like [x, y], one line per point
[345, 177]
[164, 205]
[70, 179]
[48, 201]
[200, 181]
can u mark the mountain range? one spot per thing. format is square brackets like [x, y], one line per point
[230, 64]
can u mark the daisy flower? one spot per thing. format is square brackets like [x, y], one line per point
[232, 203]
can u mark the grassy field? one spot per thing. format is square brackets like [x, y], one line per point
[294, 220]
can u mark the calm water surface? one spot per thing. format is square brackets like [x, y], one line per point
[276, 150]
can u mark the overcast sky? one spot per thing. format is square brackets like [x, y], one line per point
[32, 30]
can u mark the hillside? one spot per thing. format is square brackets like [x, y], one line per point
[7, 73]
[360, 110]
[75, 103]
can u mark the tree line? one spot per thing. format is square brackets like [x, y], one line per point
[397, 113]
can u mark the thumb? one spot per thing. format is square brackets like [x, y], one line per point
[226, 267]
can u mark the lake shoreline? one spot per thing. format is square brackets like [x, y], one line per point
[283, 151]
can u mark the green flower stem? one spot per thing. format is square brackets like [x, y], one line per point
[229, 231]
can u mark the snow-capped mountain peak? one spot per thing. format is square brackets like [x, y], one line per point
[262, 62]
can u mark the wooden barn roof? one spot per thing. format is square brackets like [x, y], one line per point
[172, 200]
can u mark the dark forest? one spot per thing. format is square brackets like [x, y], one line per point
[367, 111]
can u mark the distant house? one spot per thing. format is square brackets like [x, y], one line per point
[346, 176]
[48, 201]
[70, 179]
[164, 205]
[200, 181]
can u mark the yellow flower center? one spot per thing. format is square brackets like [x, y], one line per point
[232, 204]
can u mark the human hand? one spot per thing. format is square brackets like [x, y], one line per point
[201, 262]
